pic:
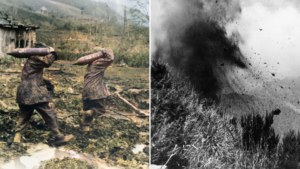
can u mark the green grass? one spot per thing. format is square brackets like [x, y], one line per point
[65, 163]
[71, 45]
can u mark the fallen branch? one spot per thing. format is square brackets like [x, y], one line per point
[129, 104]
[130, 115]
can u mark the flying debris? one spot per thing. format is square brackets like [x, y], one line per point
[276, 112]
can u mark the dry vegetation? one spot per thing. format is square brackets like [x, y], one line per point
[187, 134]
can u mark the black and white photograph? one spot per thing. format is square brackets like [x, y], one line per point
[225, 84]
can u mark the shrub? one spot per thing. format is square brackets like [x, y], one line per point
[289, 151]
[257, 132]
[8, 61]
[66, 163]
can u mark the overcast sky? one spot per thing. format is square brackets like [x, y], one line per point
[118, 5]
[271, 34]
[128, 3]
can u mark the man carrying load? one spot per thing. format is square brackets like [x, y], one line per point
[32, 93]
[95, 90]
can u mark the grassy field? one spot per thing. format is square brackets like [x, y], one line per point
[71, 45]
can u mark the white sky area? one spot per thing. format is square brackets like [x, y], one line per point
[271, 35]
[128, 3]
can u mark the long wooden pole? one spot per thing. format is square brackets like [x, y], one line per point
[129, 104]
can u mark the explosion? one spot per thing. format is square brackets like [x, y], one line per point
[191, 37]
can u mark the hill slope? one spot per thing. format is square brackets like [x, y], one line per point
[62, 8]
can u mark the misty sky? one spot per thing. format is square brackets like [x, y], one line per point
[271, 36]
[128, 3]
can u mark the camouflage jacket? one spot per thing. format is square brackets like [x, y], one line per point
[33, 89]
[94, 85]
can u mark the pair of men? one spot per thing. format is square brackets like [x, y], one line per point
[32, 93]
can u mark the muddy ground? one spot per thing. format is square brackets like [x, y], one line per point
[113, 135]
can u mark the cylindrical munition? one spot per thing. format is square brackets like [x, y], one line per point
[27, 52]
[88, 58]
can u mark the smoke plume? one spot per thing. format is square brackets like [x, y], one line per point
[191, 37]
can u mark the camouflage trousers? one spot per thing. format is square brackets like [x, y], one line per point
[44, 109]
[91, 109]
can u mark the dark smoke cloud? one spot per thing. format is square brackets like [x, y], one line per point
[190, 36]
